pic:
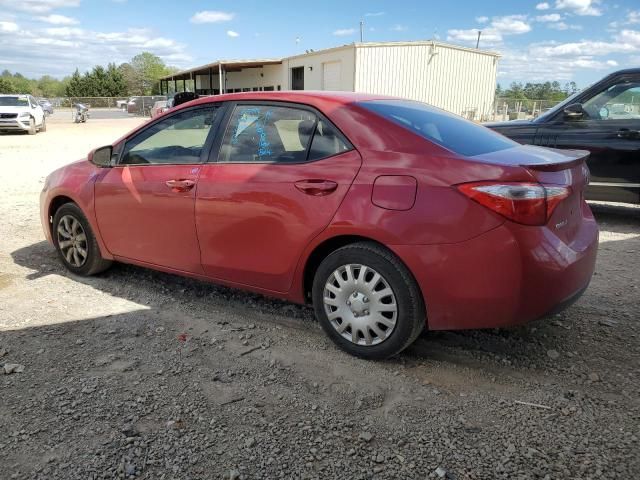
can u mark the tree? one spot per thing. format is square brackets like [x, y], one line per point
[148, 68]
[6, 85]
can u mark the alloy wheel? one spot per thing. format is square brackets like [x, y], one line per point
[72, 241]
[360, 304]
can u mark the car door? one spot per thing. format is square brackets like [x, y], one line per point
[275, 182]
[145, 203]
[608, 125]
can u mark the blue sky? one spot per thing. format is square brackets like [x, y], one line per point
[564, 40]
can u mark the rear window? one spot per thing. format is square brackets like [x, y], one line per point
[445, 129]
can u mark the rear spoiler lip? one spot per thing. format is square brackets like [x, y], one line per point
[578, 157]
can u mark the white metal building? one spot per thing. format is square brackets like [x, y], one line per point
[458, 79]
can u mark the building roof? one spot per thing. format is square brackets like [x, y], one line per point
[237, 65]
[228, 65]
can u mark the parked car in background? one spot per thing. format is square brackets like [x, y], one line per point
[21, 113]
[46, 105]
[603, 119]
[158, 108]
[387, 215]
[143, 105]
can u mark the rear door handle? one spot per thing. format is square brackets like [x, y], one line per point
[316, 188]
[180, 185]
[627, 133]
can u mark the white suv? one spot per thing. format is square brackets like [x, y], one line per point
[21, 112]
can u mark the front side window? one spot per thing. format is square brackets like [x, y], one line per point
[618, 102]
[272, 134]
[177, 139]
[442, 128]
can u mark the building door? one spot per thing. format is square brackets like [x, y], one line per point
[332, 76]
[297, 78]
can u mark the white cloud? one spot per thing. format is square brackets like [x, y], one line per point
[399, 28]
[58, 20]
[374, 14]
[212, 16]
[482, 19]
[511, 24]
[634, 17]
[583, 48]
[564, 26]
[580, 7]
[612, 63]
[65, 32]
[37, 6]
[58, 51]
[232, 34]
[8, 27]
[629, 37]
[489, 36]
[543, 6]
[344, 32]
[552, 17]
[492, 34]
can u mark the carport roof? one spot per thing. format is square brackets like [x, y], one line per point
[227, 65]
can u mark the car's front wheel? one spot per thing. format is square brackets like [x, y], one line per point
[43, 127]
[75, 242]
[32, 127]
[367, 301]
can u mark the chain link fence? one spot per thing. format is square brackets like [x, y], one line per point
[115, 107]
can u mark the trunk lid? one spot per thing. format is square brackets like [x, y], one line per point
[552, 167]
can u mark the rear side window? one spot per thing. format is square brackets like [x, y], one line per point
[273, 134]
[445, 129]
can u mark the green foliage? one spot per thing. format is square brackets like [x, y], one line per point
[530, 93]
[6, 85]
[138, 77]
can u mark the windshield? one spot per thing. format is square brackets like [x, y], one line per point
[14, 102]
[445, 129]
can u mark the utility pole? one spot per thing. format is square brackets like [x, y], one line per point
[478, 41]
[361, 31]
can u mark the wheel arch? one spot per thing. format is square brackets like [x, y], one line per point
[329, 245]
[55, 203]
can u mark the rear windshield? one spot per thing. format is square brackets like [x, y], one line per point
[446, 129]
[14, 102]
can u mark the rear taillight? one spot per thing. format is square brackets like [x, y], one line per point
[526, 203]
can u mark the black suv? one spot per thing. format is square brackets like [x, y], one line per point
[604, 119]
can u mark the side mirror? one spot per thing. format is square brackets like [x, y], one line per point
[574, 111]
[101, 157]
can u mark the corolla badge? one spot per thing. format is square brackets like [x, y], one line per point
[561, 224]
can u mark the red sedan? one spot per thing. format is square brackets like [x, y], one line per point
[387, 215]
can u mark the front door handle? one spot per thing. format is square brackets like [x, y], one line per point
[180, 185]
[627, 133]
[316, 188]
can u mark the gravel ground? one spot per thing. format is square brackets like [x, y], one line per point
[141, 374]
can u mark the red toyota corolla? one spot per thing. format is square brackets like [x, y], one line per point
[387, 215]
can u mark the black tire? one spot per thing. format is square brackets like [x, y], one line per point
[43, 127]
[32, 126]
[410, 320]
[94, 263]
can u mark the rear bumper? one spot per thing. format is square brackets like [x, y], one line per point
[21, 124]
[505, 277]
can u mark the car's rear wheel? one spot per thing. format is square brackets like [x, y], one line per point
[367, 301]
[32, 127]
[75, 242]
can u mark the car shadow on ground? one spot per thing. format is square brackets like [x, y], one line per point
[160, 291]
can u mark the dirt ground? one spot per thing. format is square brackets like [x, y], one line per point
[141, 374]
